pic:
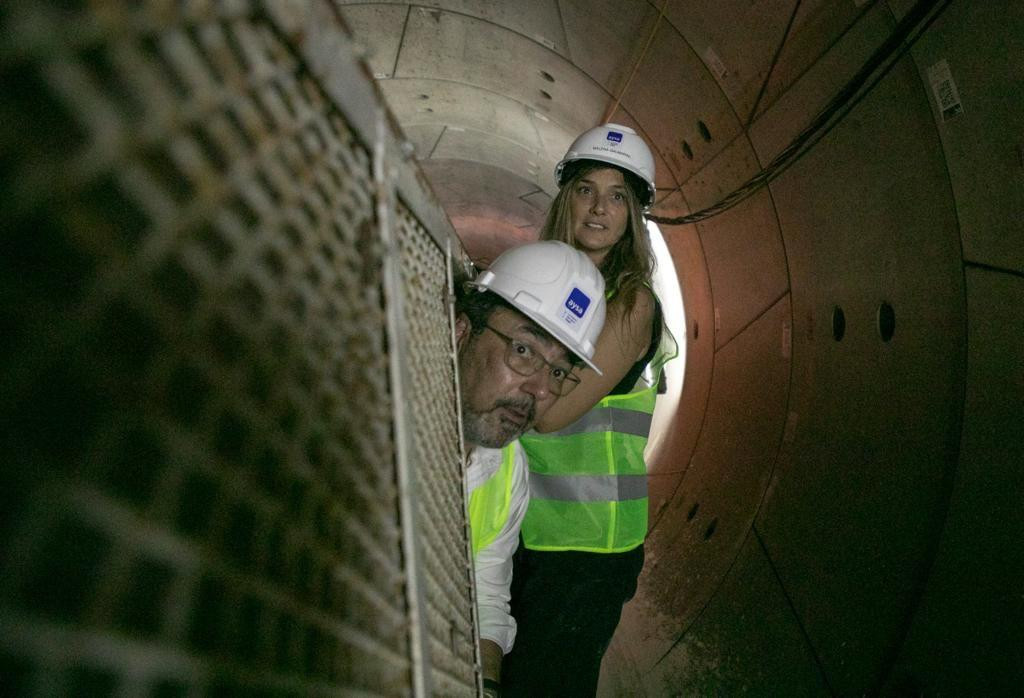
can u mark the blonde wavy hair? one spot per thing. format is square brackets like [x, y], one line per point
[629, 265]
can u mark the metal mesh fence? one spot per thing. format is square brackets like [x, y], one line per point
[196, 432]
[439, 479]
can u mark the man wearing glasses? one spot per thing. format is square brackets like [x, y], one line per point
[521, 329]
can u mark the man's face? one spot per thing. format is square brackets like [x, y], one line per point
[498, 404]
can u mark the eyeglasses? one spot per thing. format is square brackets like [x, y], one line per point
[525, 360]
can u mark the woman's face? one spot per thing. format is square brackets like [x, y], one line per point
[599, 211]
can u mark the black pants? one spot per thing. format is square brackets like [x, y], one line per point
[566, 605]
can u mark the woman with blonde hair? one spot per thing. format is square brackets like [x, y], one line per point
[582, 539]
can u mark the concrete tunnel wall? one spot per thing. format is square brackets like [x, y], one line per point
[796, 547]
[832, 510]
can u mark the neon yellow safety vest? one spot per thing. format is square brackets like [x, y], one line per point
[490, 503]
[588, 482]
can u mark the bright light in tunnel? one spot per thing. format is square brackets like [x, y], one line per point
[666, 285]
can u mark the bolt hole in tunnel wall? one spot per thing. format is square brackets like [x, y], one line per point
[230, 456]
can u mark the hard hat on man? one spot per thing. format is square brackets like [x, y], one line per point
[556, 286]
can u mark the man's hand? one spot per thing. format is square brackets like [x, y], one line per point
[491, 656]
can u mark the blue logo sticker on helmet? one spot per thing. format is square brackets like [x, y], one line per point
[577, 302]
[615, 136]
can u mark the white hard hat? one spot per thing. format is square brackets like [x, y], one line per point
[556, 286]
[615, 145]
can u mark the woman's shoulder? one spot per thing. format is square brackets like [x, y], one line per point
[633, 319]
[641, 306]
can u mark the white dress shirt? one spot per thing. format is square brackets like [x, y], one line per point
[493, 563]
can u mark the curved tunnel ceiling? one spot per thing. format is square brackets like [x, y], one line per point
[812, 502]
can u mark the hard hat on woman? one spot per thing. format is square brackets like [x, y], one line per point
[616, 145]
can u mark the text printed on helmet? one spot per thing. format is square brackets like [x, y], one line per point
[577, 304]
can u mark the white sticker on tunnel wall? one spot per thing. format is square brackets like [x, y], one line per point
[545, 40]
[715, 64]
[944, 89]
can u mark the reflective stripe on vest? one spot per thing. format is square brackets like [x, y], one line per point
[588, 488]
[610, 419]
[489, 504]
